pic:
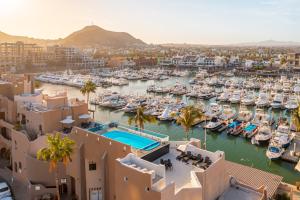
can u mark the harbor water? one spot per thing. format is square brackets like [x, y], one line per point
[237, 149]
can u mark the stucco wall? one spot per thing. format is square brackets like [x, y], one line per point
[95, 147]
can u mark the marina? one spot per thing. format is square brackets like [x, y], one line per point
[238, 149]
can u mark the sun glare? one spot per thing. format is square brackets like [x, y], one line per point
[8, 7]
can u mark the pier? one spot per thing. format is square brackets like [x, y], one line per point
[294, 147]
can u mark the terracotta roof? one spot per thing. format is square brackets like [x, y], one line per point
[254, 177]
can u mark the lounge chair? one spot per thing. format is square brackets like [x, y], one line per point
[202, 165]
[187, 157]
[182, 155]
[198, 160]
[169, 164]
[207, 160]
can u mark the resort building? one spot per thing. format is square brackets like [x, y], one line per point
[294, 60]
[15, 56]
[113, 161]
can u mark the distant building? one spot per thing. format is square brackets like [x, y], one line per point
[294, 60]
[15, 56]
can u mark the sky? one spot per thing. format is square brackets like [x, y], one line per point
[157, 21]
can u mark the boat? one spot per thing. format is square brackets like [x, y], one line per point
[248, 99]
[166, 115]
[291, 103]
[274, 151]
[244, 115]
[283, 136]
[206, 93]
[260, 118]
[264, 135]
[235, 97]
[249, 130]
[224, 96]
[235, 127]
[277, 101]
[263, 100]
[296, 88]
[130, 107]
[213, 110]
[228, 113]
[214, 124]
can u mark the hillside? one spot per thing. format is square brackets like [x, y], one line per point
[89, 36]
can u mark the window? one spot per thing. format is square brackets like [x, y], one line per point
[125, 179]
[20, 166]
[92, 166]
[147, 189]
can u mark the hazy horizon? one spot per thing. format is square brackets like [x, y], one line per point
[159, 22]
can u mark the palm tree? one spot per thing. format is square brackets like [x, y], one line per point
[140, 118]
[58, 150]
[272, 62]
[87, 88]
[296, 118]
[188, 117]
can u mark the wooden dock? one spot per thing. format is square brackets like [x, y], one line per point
[293, 158]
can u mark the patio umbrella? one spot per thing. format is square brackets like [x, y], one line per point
[84, 116]
[67, 121]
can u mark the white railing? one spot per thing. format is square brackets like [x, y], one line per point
[159, 137]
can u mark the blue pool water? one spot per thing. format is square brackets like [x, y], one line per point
[136, 141]
[250, 128]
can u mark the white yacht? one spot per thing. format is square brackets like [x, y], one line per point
[277, 101]
[224, 96]
[262, 100]
[274, 151]
[236, 97]
[245, 115]
[213, 110]
[166, 114]
[283, 136]
[292, 103]
[249, 99]
[296, 88]
[228, 113]
[214, 124]
[264, 134]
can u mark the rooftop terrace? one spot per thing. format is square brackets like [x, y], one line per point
[180, 173]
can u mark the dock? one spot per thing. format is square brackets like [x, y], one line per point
[294, 146]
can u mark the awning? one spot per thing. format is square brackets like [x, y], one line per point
[67, 121]
[85, 116]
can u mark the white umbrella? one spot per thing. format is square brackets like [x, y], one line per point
[67, 121]
[84, 116]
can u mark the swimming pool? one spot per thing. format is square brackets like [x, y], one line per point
[136, 141]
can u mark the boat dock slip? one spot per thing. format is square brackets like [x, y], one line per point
[295, 146]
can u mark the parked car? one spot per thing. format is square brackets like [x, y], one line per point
[4, 191]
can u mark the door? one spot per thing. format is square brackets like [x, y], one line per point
[96, 195]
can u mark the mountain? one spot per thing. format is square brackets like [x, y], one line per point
[270, 43]
[96, 36]
[12, 38]
[89, 36]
